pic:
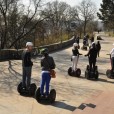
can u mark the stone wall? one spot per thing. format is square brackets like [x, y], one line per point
[13, 54]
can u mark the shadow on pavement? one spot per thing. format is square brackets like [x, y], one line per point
[63, 105]
[106, 81]
[84, 105]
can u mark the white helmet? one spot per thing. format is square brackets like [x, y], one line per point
[29, 44]
[75, 45]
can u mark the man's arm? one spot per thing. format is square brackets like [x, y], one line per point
[88, 53]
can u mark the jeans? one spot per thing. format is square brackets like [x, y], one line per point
[45, 82]
[26, 79]
[92, 64]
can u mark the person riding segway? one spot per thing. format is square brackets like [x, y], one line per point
[47, 64]
[77, 40]
[74, 71]
[84, 47]
[92, 70]
[25, 87]
[110, 73]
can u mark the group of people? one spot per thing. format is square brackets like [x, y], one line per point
[86, 42]
[92, 54]
[47, 64]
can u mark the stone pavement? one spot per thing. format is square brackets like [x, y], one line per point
[102, 104]
[71, 91]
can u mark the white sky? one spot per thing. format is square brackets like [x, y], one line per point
[76, 2]
[71, 2]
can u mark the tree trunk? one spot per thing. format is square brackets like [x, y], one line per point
[85, 23]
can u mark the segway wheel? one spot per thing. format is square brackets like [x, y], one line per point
[32, 89]
[38, 95]
[78, 72]
[52, 96]
[87, 75]
[19, 88]
[96, 75]
[87, 68]
[96, 68]
[70, 71]
[108, 73]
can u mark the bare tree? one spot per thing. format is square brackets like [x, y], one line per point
[18, 21]
[87, 11]
[58, 16]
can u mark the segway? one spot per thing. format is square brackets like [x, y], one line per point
[50, 99]
[93, 74]
[109, 72]
[27, 92]
[75, 73]
[84, 47]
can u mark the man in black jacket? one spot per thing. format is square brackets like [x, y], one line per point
[27, 65]
[92, 54]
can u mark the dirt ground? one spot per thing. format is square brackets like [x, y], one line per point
[71, 91]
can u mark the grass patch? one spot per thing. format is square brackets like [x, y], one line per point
[51, 40]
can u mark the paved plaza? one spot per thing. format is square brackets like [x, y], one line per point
[71, 91]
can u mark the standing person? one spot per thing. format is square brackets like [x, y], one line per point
[87, 38]
[112, 58]
[47, 64]
[98, 46]
[27, 65]
[75, 56]
[92, 39]
[84, 41]
[78, 41]
[92, 54]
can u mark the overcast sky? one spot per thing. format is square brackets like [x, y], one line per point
[71, 2]
[76, 2]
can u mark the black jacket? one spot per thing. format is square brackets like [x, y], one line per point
[26, 59]
[47, 63]
[98, 46]
[75, 52]
[92, 54]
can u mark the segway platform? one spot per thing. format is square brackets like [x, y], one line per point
[110, 74]
[93, 74]
[76, 73]
[50, 99]
[27, 92]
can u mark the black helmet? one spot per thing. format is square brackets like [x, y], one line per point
[44, 51]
